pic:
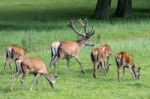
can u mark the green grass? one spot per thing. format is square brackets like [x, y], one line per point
[46, 21]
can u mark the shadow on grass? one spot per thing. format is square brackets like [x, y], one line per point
[5, 90]
[145, 12]
[16, 27]
[137, 85]
[39, 19]
[100, 75]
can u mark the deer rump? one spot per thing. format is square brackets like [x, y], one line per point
[64, 50]
[9, 53]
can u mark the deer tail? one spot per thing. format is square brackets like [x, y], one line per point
[54, 49]
[9, 53]
[94, 56]
[117, 61]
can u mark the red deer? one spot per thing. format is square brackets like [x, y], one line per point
[108, 51]
[12, 53]
[123, 60]
[100, 57]
[69, 49]
[37, 67]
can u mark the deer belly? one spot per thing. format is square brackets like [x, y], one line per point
[69, 56]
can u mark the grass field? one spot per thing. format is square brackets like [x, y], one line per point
[40, 22]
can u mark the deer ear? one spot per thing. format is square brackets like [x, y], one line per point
[139, 68]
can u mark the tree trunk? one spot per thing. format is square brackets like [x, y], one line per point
[124, 8]
[102, 9]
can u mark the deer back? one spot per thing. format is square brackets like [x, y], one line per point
[125, 58]
[34, 65]
[98, 54]
[69, 48]
[17, 50]
[107, 49]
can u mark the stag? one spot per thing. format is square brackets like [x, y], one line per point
[100, 57]
[70, 49]
[35, 66]
[12, 53]
[123, 60]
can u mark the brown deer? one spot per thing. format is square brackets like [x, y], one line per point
[108, 52]
[12, 53]
[69, 49]
[100, 57]
[35, 66]
[123, 60]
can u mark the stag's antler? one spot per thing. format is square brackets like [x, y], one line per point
[90, 33]
[84, 24]
[71, 25]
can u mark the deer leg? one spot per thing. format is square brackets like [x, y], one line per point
[35, 80]
[23, 78]
[7, 62]
[5, 65]
[16, 67]
[78, 60]
[68, 64]
[106, 65]
[118, 63]
[10, 65]
[132, 73]
[55, 70]
[99, 67]
[124, 73]
[118, 73]
[95, 65]
[53, 59]
[107, 61]
[56, 66]
[103, 67]
[15, 78]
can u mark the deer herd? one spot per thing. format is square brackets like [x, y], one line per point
[66, 50]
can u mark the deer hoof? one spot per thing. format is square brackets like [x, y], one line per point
[94, 76]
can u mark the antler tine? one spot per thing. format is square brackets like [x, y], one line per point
[84, 24]
[86, 21]
[81, 22]
[90, 33]
[71, 25]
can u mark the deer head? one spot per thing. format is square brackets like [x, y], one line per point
[85, 37]
[136, 72]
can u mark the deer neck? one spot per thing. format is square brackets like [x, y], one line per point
[81, 43]
[133, 69]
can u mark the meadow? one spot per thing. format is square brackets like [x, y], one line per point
[35, 24]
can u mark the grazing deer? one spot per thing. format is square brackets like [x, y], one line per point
[108, 51]
[37, 67]
[124, 59]
[69, 49]
[100, 57]
[12, 53]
